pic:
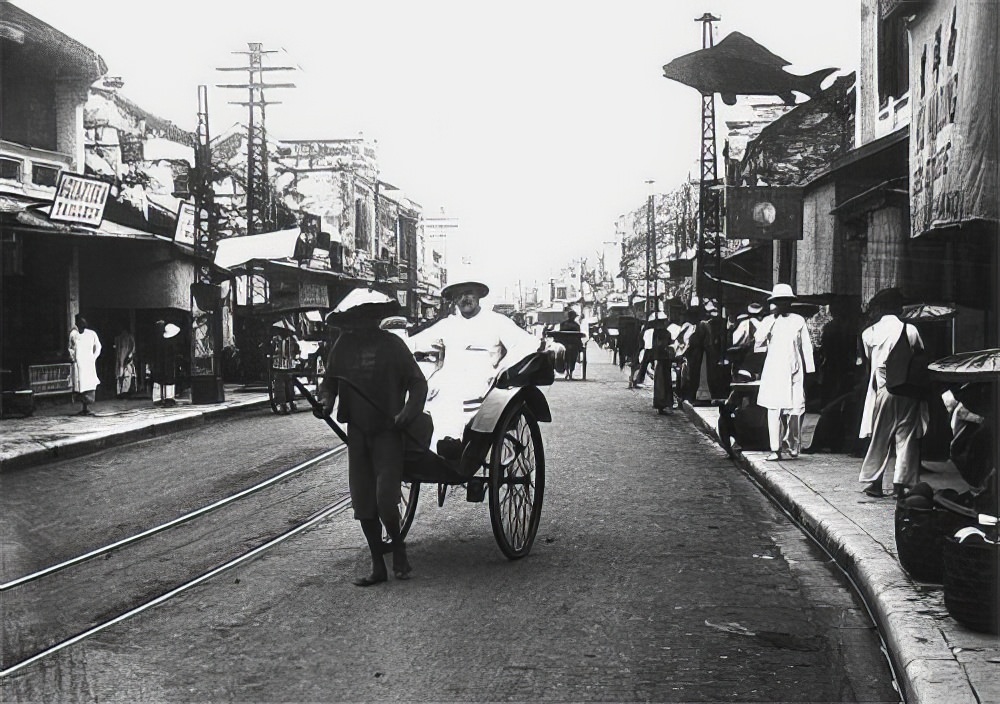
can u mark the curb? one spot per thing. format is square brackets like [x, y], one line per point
[924, 664]
[102, 440]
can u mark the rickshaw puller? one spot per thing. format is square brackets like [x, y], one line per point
[378, 364]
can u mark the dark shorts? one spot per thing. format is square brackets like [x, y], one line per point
[86, 396]
[375, 470]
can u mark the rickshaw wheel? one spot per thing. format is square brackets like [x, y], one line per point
[409, 492]
[517, 481]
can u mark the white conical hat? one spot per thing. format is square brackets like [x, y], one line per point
[360, 297]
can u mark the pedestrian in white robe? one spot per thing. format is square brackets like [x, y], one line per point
[478, 345]
[894, 423]
[84, 349]
[789, 357]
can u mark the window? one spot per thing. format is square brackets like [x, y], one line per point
[560, 292]
[42, 175]
[10, 169]
[893, 58]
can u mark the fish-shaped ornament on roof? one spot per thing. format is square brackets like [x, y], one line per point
[738, 65]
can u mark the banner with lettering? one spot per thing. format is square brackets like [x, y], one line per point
[954, 64]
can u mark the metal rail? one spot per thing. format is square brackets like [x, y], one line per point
[170, 524]
[340, 505]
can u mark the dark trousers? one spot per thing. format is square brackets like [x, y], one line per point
[641, 368]
[374, 472]
[663, 386]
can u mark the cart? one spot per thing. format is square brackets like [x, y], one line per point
[502, 457]
[569, 339]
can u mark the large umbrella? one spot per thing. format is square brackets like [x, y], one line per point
[928, 312]
[982, 365]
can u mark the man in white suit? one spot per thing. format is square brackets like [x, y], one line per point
[789, 357]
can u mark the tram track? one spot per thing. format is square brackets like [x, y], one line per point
[74, 599]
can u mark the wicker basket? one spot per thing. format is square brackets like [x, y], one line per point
[920, 535]
[970, 584]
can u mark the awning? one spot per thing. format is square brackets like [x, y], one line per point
[37, 219]
[236, 251]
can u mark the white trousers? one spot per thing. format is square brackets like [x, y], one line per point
[784, 426]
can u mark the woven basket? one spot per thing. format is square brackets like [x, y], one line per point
[970, 584]
[920, 535]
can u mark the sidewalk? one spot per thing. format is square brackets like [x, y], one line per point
[54, 433]
[937, 659]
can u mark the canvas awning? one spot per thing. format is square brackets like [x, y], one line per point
[236, 251]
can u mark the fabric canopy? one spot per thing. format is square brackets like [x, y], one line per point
[236, 251]
[982, 365]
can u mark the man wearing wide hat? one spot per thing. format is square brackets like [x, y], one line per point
[382, 392]
[895, 423]
[478, 345]
[784, 338]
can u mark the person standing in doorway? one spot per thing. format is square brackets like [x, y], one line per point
[163, 370]
[784, 338]
[124, 362]
[84, 349]
[895, 423]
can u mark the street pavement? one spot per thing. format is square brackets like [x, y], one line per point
[938, 659]
[55, 432]
[941, 660]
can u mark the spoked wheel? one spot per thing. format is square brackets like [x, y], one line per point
[517, 481]
[407, 509]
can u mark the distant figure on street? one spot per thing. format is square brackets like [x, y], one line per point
[163, 367]
[84, 349]
[284, 359]
[895, 423]
[572, 344]
[789, 357]
[382, 392]
[715, 371]
[644, 355]
[663, 360]
[124, 362]
[741, 351]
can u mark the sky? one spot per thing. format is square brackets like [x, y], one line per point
[535, 122]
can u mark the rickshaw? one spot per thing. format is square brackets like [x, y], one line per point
[290, 358]
[502, 453]
[554, 317]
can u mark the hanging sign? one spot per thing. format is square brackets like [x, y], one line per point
[953, 127]
[763, 213]
[79, 199]
[184, 232]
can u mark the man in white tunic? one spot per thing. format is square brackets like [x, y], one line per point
[789, 357]
[894, 423]
[478, 345]
[84, 349]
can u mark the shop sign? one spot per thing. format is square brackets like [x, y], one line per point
[313, 295]
[401, 297]
[79, 199]
[763, 213]
[184, 232]
[953, 125]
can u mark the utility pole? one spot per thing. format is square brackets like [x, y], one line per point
[650, 243]
[708, 196]
[260, 215]
[206, 316]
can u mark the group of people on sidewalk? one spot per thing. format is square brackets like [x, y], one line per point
[85, 348]
[756, 370]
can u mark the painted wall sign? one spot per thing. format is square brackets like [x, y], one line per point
[79, 199]
[954, 65]
[313, 295]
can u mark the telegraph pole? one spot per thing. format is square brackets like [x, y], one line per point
[206, 316]
[260, 216]
[650, 244]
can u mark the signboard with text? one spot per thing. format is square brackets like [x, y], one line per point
[79, 199]
[953, 125]
[184, 232]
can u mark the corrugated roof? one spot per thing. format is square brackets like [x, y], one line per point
[28, 34]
